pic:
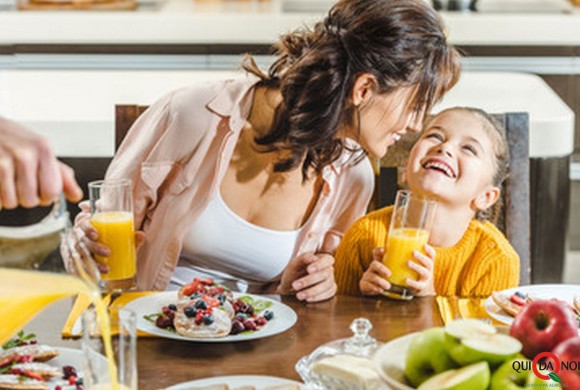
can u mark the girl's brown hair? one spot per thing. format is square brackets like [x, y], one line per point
[400, 42]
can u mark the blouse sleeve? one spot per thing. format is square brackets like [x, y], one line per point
[356, 194]
[133, 159]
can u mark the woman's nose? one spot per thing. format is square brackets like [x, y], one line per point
[415, 124]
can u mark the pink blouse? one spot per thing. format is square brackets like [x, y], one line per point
[177, 153]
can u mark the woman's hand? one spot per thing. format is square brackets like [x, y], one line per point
[424, 267]
[89, 236]
[310, 276]
[373, 281]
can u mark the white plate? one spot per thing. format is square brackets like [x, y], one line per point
[68, 357]
[258, 381]
[389, 361]
[564, 292]
[284, 318]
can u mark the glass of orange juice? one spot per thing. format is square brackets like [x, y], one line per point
[409, 231]
[111, 204]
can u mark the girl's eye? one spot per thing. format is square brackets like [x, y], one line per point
[471, 149]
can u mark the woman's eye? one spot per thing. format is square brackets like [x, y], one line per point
[436, 136]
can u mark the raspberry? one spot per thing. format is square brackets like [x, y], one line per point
[68, 371]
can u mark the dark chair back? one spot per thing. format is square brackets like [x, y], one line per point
[125, 116]
[514, 218]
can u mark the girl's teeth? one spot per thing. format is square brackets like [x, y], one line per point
[396, 137]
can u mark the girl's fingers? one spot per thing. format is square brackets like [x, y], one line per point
[425, 261]
[378, 254]
[424, 273]
[369, 289]
[416, 285]
[430, 251]
[380, 269]
[375, 282]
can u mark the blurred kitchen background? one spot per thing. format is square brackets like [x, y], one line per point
[64, 65]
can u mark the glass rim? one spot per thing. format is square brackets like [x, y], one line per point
[108, 183]
[411, 194]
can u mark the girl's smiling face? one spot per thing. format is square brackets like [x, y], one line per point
[454, 161]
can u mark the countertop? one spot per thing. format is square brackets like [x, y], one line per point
[75, 109]
[257, 22]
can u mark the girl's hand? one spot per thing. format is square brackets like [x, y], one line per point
[373, 281]
[310, 276]
[424, 267]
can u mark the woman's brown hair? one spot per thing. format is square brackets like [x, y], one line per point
[400, 42]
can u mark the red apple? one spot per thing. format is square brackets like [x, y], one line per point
[568, 351]
[541, 325]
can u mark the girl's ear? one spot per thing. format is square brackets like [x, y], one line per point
[364, 86]
[487, 198]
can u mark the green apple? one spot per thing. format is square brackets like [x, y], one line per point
[472, 377]
[506, 377]
[494, 349]
[471, 341]
[427, 356]
[469, 328]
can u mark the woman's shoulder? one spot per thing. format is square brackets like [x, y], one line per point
[204, 94]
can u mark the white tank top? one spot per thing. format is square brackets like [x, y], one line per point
[233, 251]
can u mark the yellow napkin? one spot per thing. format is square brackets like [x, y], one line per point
[451, 308]
[82, 303]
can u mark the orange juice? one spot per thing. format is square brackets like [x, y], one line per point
[115, 230]
[23, 294]
[400, 246]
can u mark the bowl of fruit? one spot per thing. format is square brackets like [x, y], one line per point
[461, 355]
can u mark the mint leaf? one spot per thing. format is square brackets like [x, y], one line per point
[554, 377]
[20, 339]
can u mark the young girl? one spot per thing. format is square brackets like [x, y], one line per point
[460, 161]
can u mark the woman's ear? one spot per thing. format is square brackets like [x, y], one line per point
[364, 86]
[487, 198]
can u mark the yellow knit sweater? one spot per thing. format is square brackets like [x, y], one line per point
[481, 262]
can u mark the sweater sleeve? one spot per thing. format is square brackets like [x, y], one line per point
[355, 252]
[348, 268]
[498, 266]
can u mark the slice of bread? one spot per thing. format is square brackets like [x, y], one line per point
[15, 382]
[44, 370]
[40, 353]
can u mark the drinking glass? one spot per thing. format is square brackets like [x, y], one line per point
[97, 369]
[409, 231]
[111, 204]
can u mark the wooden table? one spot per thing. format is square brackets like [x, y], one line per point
[163, 362]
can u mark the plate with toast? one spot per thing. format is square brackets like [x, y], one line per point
[40, 367]
[505, 305]
[239, 382]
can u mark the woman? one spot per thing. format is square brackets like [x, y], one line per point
[253, 181]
